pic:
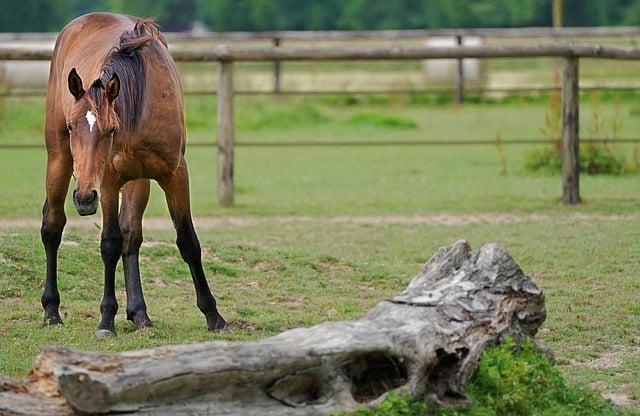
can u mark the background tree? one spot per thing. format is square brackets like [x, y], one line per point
[225, 15]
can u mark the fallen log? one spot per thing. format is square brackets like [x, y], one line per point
[425, 342]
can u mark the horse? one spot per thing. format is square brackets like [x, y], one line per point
[117, 130]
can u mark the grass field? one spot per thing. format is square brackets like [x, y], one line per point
[271, 275]
[353, 180]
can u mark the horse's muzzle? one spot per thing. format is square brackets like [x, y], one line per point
[86, 204]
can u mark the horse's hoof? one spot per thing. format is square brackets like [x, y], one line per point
[217, 324]
[143, 324]
[52, 321]
[104, 333]
[140, 320]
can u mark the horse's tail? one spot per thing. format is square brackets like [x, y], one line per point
[144, 31]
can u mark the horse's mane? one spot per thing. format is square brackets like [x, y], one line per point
[126, 61]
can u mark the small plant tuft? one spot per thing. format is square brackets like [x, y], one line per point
[382, 120]
[501, 154]
[284, 118]
[595, 158]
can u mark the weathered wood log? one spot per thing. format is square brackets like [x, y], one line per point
[425, 342]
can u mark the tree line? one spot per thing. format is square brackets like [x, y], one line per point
[257, 15]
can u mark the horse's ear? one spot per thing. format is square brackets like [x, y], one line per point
[113, 87]
[75, 84]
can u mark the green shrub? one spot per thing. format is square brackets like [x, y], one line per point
[595, 159]
[396, 405]
[283, 118]
[525, 382]
[546, 159]
[382, 120]
[352, 100]
[510, 381]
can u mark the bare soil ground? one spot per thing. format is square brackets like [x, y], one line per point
[161, 223]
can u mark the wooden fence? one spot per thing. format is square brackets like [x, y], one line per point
[568, 53]
[277, 38]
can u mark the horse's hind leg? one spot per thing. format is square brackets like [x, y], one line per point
[59, 169]
[176, 188]
[135, 195]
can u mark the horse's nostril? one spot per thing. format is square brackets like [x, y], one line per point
[85, 199]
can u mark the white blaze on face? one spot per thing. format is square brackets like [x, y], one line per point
[91, 119]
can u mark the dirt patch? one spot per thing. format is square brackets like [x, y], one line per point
[160, 223]
[292, 302]
[612, 358]
[272, 265]
[619, 399]
[157, 244]
[242, 325]
[255, 285]
[158, 282]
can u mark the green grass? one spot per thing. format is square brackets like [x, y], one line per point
[269, 277]
[272, 276]
[350, 180]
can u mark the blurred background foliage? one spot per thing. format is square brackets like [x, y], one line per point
[255, 15]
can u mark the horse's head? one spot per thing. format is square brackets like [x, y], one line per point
[92, 125]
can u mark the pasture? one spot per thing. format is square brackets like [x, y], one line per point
[325, 232]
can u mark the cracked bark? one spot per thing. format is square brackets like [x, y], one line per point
[425, 342]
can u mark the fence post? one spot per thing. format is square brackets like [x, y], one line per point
[276, 69]
[570, 131]
[459, 75]
[226, 137]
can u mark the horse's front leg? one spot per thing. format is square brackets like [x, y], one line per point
[59, 168]
[110, 249]
[176, 189]
[135, 195]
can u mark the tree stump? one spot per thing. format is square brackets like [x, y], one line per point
[425, 342]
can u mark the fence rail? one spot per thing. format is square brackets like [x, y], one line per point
[367, 143]
[569, 53]
[28, 93]
[223, 53]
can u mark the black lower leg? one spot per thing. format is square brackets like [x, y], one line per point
[110, 249]
[190, 251]
[136, 306]
[51, 233]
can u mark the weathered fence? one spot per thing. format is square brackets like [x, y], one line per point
[277, 38]
[569, 53]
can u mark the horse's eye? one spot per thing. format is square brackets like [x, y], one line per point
[69, 128]
[112, 131]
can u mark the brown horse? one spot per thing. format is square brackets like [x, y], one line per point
[114, 133]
